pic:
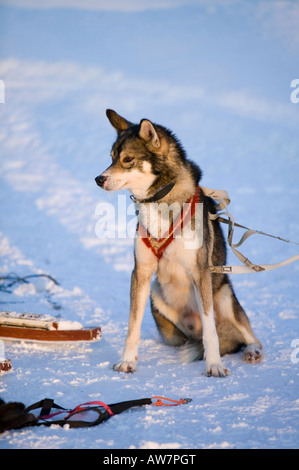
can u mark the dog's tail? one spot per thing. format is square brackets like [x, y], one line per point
[191, 351]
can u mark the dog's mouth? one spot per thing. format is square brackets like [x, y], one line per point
[109, 184]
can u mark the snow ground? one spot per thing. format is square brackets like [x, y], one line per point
[219, 76]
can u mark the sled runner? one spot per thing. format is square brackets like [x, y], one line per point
[36, 327]
[46, 412]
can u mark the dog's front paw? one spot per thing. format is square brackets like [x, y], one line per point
[216, 370]
[125, 366]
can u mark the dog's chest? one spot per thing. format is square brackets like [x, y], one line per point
[176, 266]
[157, 218]
[161, 225]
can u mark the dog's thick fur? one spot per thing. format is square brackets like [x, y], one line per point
[192, 308]
[13, 415]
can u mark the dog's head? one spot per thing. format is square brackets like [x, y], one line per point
[138, 156]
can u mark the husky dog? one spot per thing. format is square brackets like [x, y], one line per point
[192, 307]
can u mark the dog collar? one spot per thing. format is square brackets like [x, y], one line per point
[156, 197]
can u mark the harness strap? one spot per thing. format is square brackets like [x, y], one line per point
[77, 417]
[125, 405]
[159, 245]
[87, 406]
[46, 405]
[248, 267]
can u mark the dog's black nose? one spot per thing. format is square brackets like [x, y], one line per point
[100, 180]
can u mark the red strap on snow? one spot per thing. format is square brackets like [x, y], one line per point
[162, 243]
[159, 401]
[82, 407]
[51, 415]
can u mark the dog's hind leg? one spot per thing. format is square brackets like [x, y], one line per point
[170, 333]
[178, 326]
[233, 326]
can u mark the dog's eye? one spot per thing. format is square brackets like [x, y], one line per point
[128, 159]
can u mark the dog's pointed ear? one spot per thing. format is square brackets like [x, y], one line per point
[148, 133]
[119, 123]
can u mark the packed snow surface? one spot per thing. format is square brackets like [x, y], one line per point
[219, 75]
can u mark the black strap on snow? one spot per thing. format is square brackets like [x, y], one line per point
[47, 404]
[16, 416]
[103, 416]
[125, 405]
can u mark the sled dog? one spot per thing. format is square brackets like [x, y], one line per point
[192, 307]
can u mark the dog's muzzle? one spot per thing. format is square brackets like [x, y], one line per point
[100, 180]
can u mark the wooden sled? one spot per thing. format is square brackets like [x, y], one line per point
[36, 327]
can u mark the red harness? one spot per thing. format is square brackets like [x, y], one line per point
[158, 245]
